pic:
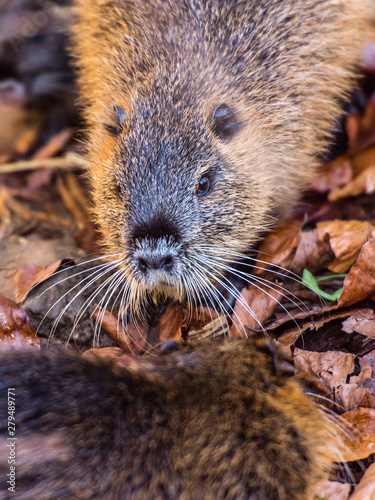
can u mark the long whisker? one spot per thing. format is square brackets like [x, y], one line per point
[97, 272]
[206, 287]
[212, 262]
[251, 278]
[102, 257]
[243, 258]
[90, 299]
[108, 268]
[233, 291]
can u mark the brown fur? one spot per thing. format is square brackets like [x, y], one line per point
[211, 422]
[283, 66]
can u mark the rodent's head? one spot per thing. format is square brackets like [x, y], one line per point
[184, 188]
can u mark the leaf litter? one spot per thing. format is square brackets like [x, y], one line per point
[55, 283]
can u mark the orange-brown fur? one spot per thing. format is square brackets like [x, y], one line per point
[211, 422]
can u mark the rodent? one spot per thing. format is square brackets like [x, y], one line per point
[221, 420]
[205, 120]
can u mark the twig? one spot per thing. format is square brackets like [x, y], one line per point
[69, 161]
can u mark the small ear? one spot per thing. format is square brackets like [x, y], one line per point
[120, 118]
[224, 123]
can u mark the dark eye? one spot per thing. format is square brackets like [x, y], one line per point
[224, 123]
[120, 118]
[203, 186]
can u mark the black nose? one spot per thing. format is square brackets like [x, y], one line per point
[146, 263]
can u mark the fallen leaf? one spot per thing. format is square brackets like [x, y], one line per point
[199, 317]
[362, 322]
[364, 183]
[346, 239]
[279, 246]
[252, 309]
[131, 337]
[15, 328]
[326, 370]
[171, 322]
[365, 490]
[358, 392]
[289, 337]
[331, 490]
[313, 253]
[360, 281]
[334, 174]
[29, 276]
[357, 433]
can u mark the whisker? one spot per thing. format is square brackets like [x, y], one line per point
[102, 257]
[212, 262]
[109, 268]
[90, 299]
[235, 294]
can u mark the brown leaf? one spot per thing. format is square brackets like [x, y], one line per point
[278, 247]
[358, 392]
[131, 338]
[331, 490]
[328, 315]
[359, 437]
[364, 183]
[360, 281]
[363, 321]
[15, 328]
[335, 174]
[200, 316]
[326, 370]
[29, 276]
[346, 239]
[312, 252]
[171, 322]
[365, 490]
[252, 309]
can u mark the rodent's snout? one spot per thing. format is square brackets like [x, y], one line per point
[163, 262]
[157, 263]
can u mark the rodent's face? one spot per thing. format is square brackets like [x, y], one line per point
[180, 198]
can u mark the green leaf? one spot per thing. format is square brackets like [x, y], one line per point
[310, 282]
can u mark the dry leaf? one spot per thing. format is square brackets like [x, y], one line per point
[363, 321]
[364, 183]
[326, 370]
[171, 322]
[252, 309]
[29, 276]
[346, 239]
[313, 253]
[334, 174]
[279, 246]
[15, 328]
[131, 337]
[366, 488]
[360, 281]
[358, 435]
[331, 490]
[359, 391]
